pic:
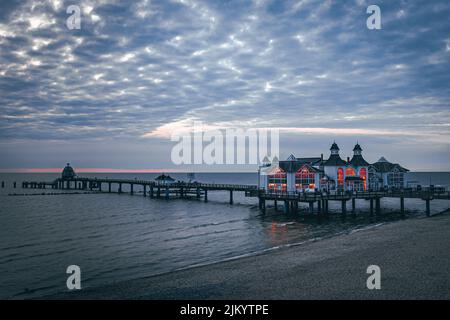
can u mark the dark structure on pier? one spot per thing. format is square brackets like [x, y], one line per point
[166, 187]
[68, 173]
[166, 179]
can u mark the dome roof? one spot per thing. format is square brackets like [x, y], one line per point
[68, 172]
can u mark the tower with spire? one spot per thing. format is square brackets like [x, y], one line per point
[334, 159]
[358, 160]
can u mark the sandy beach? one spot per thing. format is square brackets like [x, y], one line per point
[414, 257]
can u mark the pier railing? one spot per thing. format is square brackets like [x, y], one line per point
[313, 196]
[182, 189]
[250, 190]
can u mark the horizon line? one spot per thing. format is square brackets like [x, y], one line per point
[111, 170]
[115, 170]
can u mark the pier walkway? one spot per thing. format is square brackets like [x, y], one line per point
[181, 189]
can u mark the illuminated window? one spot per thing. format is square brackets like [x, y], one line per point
[304, 179]
[350, 172]
[277, 181]
[363, 176]
[340, 176]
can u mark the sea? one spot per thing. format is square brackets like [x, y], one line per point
[120, 237]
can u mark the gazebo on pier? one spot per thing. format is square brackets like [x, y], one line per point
[164, 179]
[68, 173]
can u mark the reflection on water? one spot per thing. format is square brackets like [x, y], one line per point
[118, 237]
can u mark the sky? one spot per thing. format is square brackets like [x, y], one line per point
[110, 94]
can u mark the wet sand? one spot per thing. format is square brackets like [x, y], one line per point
[414, 257]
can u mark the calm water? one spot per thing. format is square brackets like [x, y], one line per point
[119, 237]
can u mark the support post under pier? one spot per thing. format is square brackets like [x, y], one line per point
[286, 207]
[402, 205]
[344, 207]
[377, 206]
[311, 207]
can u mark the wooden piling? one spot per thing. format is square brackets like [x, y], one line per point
[286, 207]
[231, 196]
[344, 207]
[145, 190]
[324, 206]
[402, 205]
[206, 195]
[428, 207]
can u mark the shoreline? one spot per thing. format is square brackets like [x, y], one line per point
[247, 276]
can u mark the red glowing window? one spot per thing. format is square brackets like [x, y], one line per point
[363, 176]
[340, 176]
[350, 172]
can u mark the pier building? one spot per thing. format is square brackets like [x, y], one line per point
[332, 174]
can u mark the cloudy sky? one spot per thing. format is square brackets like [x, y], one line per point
[110, 94]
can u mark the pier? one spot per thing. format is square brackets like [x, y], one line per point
[152, 189]
[318, 202]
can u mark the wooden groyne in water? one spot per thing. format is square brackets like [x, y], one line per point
[318, 200]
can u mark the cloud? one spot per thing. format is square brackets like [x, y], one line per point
[142, 69]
